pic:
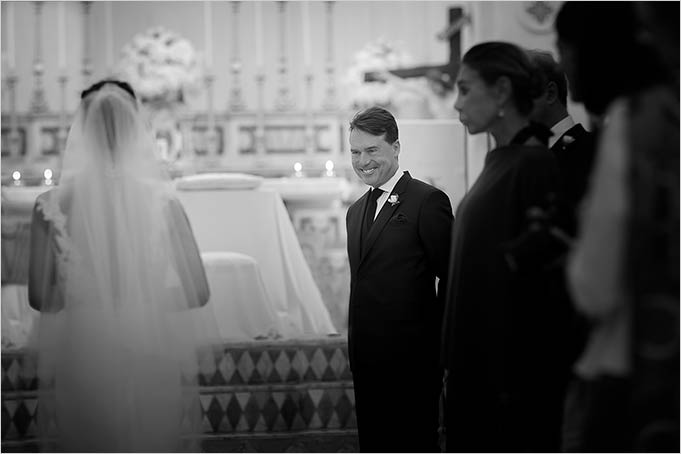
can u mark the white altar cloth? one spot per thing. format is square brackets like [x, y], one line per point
[238, 298]
[249, 222]
[256, 223]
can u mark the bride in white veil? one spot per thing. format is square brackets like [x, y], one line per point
[115, 272]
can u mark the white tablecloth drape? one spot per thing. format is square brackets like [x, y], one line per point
[238, 300]
[278, 286]
[256, 223]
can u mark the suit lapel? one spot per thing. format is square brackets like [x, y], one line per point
[384, 216]
[576, 132]
[355, 229]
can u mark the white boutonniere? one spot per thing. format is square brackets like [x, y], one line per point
[394, 199]
[567, 140]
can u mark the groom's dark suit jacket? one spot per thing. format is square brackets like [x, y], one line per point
[395, 316]
[574, 152]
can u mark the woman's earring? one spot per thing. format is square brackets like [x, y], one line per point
[500, 113]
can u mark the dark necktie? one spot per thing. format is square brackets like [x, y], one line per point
[371, 209]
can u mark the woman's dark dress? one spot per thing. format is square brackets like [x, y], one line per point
[501, 335]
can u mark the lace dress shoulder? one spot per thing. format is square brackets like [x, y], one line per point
[48, 204]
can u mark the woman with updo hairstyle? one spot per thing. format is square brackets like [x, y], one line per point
[501, 334]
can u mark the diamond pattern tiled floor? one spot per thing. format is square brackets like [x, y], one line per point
[254, 389]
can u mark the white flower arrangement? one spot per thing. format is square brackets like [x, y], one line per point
[161, 66]
[378, 55]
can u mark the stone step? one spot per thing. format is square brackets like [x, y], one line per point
[292, 394]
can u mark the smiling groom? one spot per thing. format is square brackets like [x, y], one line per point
[398, 243]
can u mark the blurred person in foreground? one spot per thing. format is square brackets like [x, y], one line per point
[624, 271]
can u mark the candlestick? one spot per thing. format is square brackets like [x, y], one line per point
[236, 102]
[14, 138]
[87, 63]
[330, 98]
[211, 136]
[284, 100]
[260, 146]
[108, 13]
[63, 131]
[208, 30]
[61, 36]
[305, 19]
[11, 63]
[309, 118]
[38, 102]
[259, 61]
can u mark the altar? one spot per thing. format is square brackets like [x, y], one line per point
[267, 266]
[255, 223]
[292, 224]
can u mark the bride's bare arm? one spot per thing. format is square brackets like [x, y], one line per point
[186, 255]
[43, 292]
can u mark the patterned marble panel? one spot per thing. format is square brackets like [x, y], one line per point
[262, 387]
[322, 237]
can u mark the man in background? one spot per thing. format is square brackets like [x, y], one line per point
[572, 145]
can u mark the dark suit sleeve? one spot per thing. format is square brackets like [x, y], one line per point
[435, 229]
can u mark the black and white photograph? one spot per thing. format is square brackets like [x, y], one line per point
[340, 226]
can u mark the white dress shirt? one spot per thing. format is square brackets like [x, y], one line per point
[387, 188]
[560, 128]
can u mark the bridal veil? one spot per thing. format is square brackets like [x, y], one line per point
[117, 277]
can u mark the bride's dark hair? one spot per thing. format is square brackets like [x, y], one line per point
[98, 85]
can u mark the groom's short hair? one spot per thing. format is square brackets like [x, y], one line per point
[376, 121]
[551, 71]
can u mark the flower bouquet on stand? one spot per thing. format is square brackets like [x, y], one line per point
[377, 56]
[163, 68]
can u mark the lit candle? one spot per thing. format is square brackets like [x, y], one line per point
[109, 35]
[259, 62]
[329, 168]
[208, 30]
[10, 36]
[298, 168]
[61, 31]
[16, 176]
[305, 19]
[47, 174]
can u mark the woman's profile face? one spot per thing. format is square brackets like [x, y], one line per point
[475, 101]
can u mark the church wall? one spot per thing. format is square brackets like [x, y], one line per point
[356, 23]
[413, 25]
